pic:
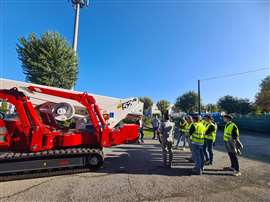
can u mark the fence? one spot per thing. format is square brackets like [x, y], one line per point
[254, 123]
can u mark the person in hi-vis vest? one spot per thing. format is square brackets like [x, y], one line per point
[232, 144]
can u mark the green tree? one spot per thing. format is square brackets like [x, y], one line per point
[163, 106]
[263, 97]
[212, 108]
[228, 104]
[147, 104]
[48, 60]
[244, 106]
[231, 104]
[187, 102]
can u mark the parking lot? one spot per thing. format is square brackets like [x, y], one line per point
[134, 172]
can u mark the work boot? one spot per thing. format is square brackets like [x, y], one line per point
[236, 173]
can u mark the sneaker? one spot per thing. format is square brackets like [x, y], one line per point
[236, 173]
[228, 169]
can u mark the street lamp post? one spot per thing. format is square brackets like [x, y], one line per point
[199, 97]
[77, 4]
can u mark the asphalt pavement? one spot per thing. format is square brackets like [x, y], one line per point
[134, 172]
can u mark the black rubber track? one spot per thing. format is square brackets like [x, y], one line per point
[19, 157]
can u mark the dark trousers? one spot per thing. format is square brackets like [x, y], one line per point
[208, 150]
[142, 134]
[234, 161]
[155, 132]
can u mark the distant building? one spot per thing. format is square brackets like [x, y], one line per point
[155, 110]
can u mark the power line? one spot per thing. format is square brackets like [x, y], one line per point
[223, 76]
[235, 74]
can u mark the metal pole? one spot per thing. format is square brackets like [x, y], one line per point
[76, 27]
[199, 97]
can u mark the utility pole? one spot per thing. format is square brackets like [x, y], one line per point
[199, 97]
[77, 4]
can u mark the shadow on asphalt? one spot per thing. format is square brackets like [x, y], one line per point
[256, 147]
[147, 160]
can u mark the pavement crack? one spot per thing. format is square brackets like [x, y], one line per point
[25, 190]
[32, 187]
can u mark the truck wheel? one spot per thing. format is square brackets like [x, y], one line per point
[95, 161]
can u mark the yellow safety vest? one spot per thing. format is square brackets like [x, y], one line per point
[198, 135]
[184, 127]
[211, 136]
[228, 131]
[204, 122]
[188, 128]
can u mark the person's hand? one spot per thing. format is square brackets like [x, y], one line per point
[214, 143]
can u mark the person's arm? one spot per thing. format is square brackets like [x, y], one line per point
[210, 130]
[161, 128]
[191, 130]
[234, 133]
[171, 133]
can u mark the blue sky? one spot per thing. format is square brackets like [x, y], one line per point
[156, 48]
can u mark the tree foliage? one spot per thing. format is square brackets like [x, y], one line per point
[211, 108]
[148, 103]
[163, 106]
[48, 60]
[231, 104]
[263, 97]
[187, 102]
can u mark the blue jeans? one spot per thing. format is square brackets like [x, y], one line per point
[208, 150]
[197, 155]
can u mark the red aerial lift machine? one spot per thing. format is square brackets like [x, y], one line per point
[34, 140]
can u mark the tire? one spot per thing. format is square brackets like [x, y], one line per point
[94, 162]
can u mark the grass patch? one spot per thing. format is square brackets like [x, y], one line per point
[148, 133]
